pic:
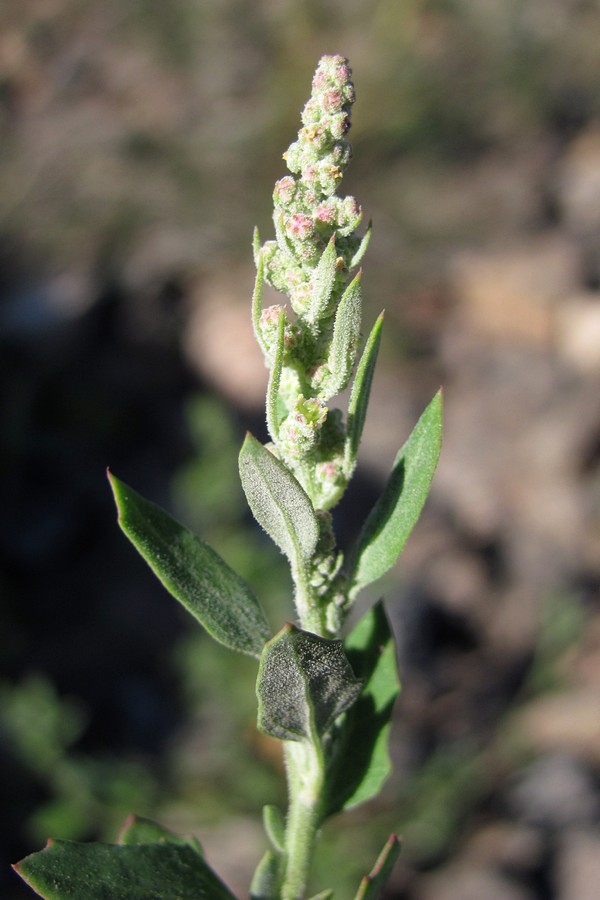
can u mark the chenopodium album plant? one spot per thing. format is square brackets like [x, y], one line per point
[327, 697]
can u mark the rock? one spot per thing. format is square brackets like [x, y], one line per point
[578, 332]
[554, 792]
[511, 294]
[579, 183]
[219, 341]
[567, 723]
[463, 882]
[578, 868]
[507, 846]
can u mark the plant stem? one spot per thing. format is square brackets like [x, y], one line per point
[304, 764]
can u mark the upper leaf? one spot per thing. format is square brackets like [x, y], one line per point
[360, 760]
[359, 397]
[157, 871]
[274, 380]
[362, 248]
[278, 501]
[345, 339]
[396, 512]
[304, 683]
[193, 573]
[321, 283]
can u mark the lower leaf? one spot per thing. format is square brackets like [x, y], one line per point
[304, 683]
[66, 870]
[138, 830]
[360, 763]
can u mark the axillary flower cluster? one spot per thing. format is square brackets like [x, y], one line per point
[311, 352]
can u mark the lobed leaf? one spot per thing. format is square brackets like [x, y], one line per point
[193, 573]
[278, 501]
[359, 397]
[346, 335]
[304, 683]
[395, 514]
[156, 871]
[360, 760]
[321, 283]
[373, 883]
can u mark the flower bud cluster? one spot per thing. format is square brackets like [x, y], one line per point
[300, 430]
[307, 210]
[311, 260]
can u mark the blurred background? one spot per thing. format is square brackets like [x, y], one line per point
[140, 140]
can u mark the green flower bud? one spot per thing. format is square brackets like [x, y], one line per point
[299, 432]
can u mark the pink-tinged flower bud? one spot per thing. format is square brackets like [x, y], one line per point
[333, 100]
[351, 208]
[270, 316]
[326, 213]
[269, 323]
[300, 431]
[309, 175]
[342, 72]
[329, 178]
[316, 135]
[338, 125]
[311, 112]
[300, 226]
[292, 157]
[349, 93]
[320, 78]
[341, 153]
[350, 215]
[284, 191]
[300, 297]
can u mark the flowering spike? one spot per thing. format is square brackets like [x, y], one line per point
[311, 350]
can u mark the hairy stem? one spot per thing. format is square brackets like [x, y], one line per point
[304, 764]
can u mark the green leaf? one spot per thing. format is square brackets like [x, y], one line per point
[257, 297]
[274, 826]
[346, 335]
[321, 283]
[278, 501]
[137, 830]
[395, 514]
[256, 247]
[360, 761]
[193, 573]
[359, 398]
[267, 878]
[65, 869]
[372, 884]
[324, 895]
[362, 249]
[274, 380]
[304, 683]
